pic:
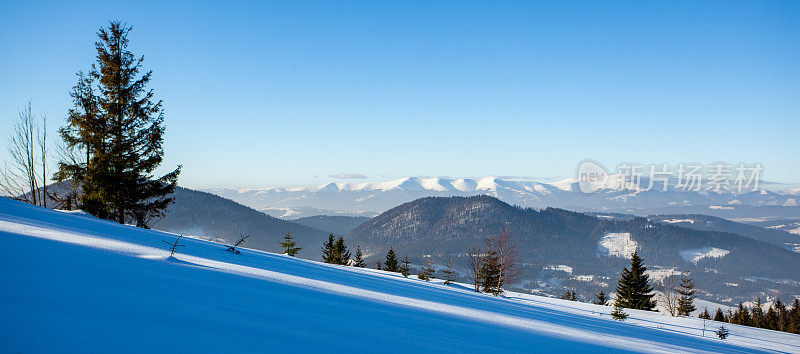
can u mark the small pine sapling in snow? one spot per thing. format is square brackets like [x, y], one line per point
[601, 298]
[238, 242]
[288, 245]
[618, 314]
[449, 273]
[359, 261]
[722, 332]
[378, 265]
[174, 245]
[569, 295]
[404, 269]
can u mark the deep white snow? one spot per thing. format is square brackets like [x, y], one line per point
[75, 283]
[694, 255]
[617, 244]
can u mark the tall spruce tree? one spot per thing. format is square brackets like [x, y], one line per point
[329, 251]
[342, 252]
[686, 291]
[391, 261]
[359, 260]
[633, 288]
[118, 124]
[288, 244]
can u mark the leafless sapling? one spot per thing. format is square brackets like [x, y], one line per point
[669, 288]
[174, 245]
[475, 263]
[238, 242]
[24, 177]
[506, 249]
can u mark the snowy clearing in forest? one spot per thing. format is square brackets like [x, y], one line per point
[695, 255]
[616, 244]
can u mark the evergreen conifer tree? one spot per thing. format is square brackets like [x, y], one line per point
[569, 295]
[342, 252]
[118, 124]
[704, 315]
[490, 273]
[329, 251]
[359, 260]
[600, 298]
[391, 261]
[404, 269]
[618, 314]
[719, 316]
[741, 316]
[686, 291]
[757, 315]
[288, 244]
[722, 332]
[794, 318]
[633, 288]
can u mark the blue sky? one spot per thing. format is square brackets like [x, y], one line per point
[288, 93]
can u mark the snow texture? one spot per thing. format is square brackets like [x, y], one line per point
[617, 244]
[695, 255]
[74, 283]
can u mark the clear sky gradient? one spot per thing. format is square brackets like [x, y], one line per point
[288, 93]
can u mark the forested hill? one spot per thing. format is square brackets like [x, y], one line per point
[447, 226]
[206, 214]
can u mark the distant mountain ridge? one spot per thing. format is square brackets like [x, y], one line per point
[346, 198]
[592, 249]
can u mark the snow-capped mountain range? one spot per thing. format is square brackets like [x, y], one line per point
[371, 198]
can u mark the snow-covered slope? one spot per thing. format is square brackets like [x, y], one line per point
[72, 282]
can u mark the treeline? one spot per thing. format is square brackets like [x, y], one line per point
[778, 316]
[334, 251]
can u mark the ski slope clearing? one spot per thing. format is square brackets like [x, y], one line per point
[75, 283]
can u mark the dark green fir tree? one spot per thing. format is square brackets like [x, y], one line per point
[329, 251]
[391, 261]
[342, 252]
[117, 125]
[601, 298]
[686, 292]
[719, 316]
[359, 260]
[288, 245]
[633, 288]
